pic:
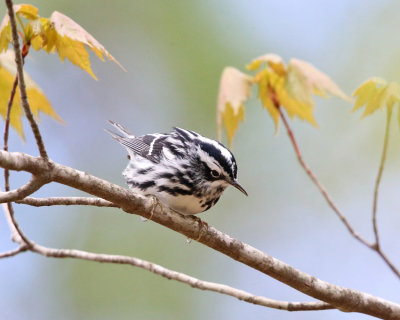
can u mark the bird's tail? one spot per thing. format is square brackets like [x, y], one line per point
[125, 132]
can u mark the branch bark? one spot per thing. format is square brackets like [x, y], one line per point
[345, 299]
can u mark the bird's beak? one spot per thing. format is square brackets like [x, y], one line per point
[238, 186]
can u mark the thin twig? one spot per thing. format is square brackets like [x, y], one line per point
[14, 252]
[21, 81]
[7, 120]
[377, 245]
[6, 131]
[319, 185]
[16, 233]
[66, 201]
[181, 277]
[36, 182]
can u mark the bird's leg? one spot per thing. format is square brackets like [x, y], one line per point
[201, 225]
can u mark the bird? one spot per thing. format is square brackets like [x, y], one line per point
[184, 170]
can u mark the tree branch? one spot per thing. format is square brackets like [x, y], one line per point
[345, 299]
[21, 81]
[66, 201]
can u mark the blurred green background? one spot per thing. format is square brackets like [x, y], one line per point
[175, 52]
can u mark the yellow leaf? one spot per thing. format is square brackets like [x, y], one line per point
[305, 80]
[49, 35]
[37, 99]
[375, 94]
[27, 11]
[365, 92]
[234, 90]
[75, 52]
[231, 119]
[37, 43]
[267, 83]
[291, 87]
[5, 34]
[271, 59]
[296, 108]
[6, 81]
[67, 28]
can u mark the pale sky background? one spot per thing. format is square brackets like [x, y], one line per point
[174, 52]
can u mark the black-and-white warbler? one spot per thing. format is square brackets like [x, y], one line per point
[184, 170]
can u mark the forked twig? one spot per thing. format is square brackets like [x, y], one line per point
[372, 246]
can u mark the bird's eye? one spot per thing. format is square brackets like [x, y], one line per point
[214, 173]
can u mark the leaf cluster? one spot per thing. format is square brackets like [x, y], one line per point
[56, 34]
[291, 87]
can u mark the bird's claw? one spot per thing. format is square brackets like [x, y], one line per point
[156, 203]
[201, 225]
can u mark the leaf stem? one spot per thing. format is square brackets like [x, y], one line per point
[379, 177]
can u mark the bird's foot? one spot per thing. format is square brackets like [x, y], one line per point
[156, 203]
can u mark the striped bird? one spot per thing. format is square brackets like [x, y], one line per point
[184, 170]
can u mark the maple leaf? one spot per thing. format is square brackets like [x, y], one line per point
[57, 33]
[375, 94]
[37, 100]
[291, 87]
[70, 40]
[234, 90]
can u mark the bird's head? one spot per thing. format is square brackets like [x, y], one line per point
[214, 161]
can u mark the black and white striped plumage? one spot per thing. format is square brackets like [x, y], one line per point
[184, 170]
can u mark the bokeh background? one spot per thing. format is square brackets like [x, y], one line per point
[174, 52]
